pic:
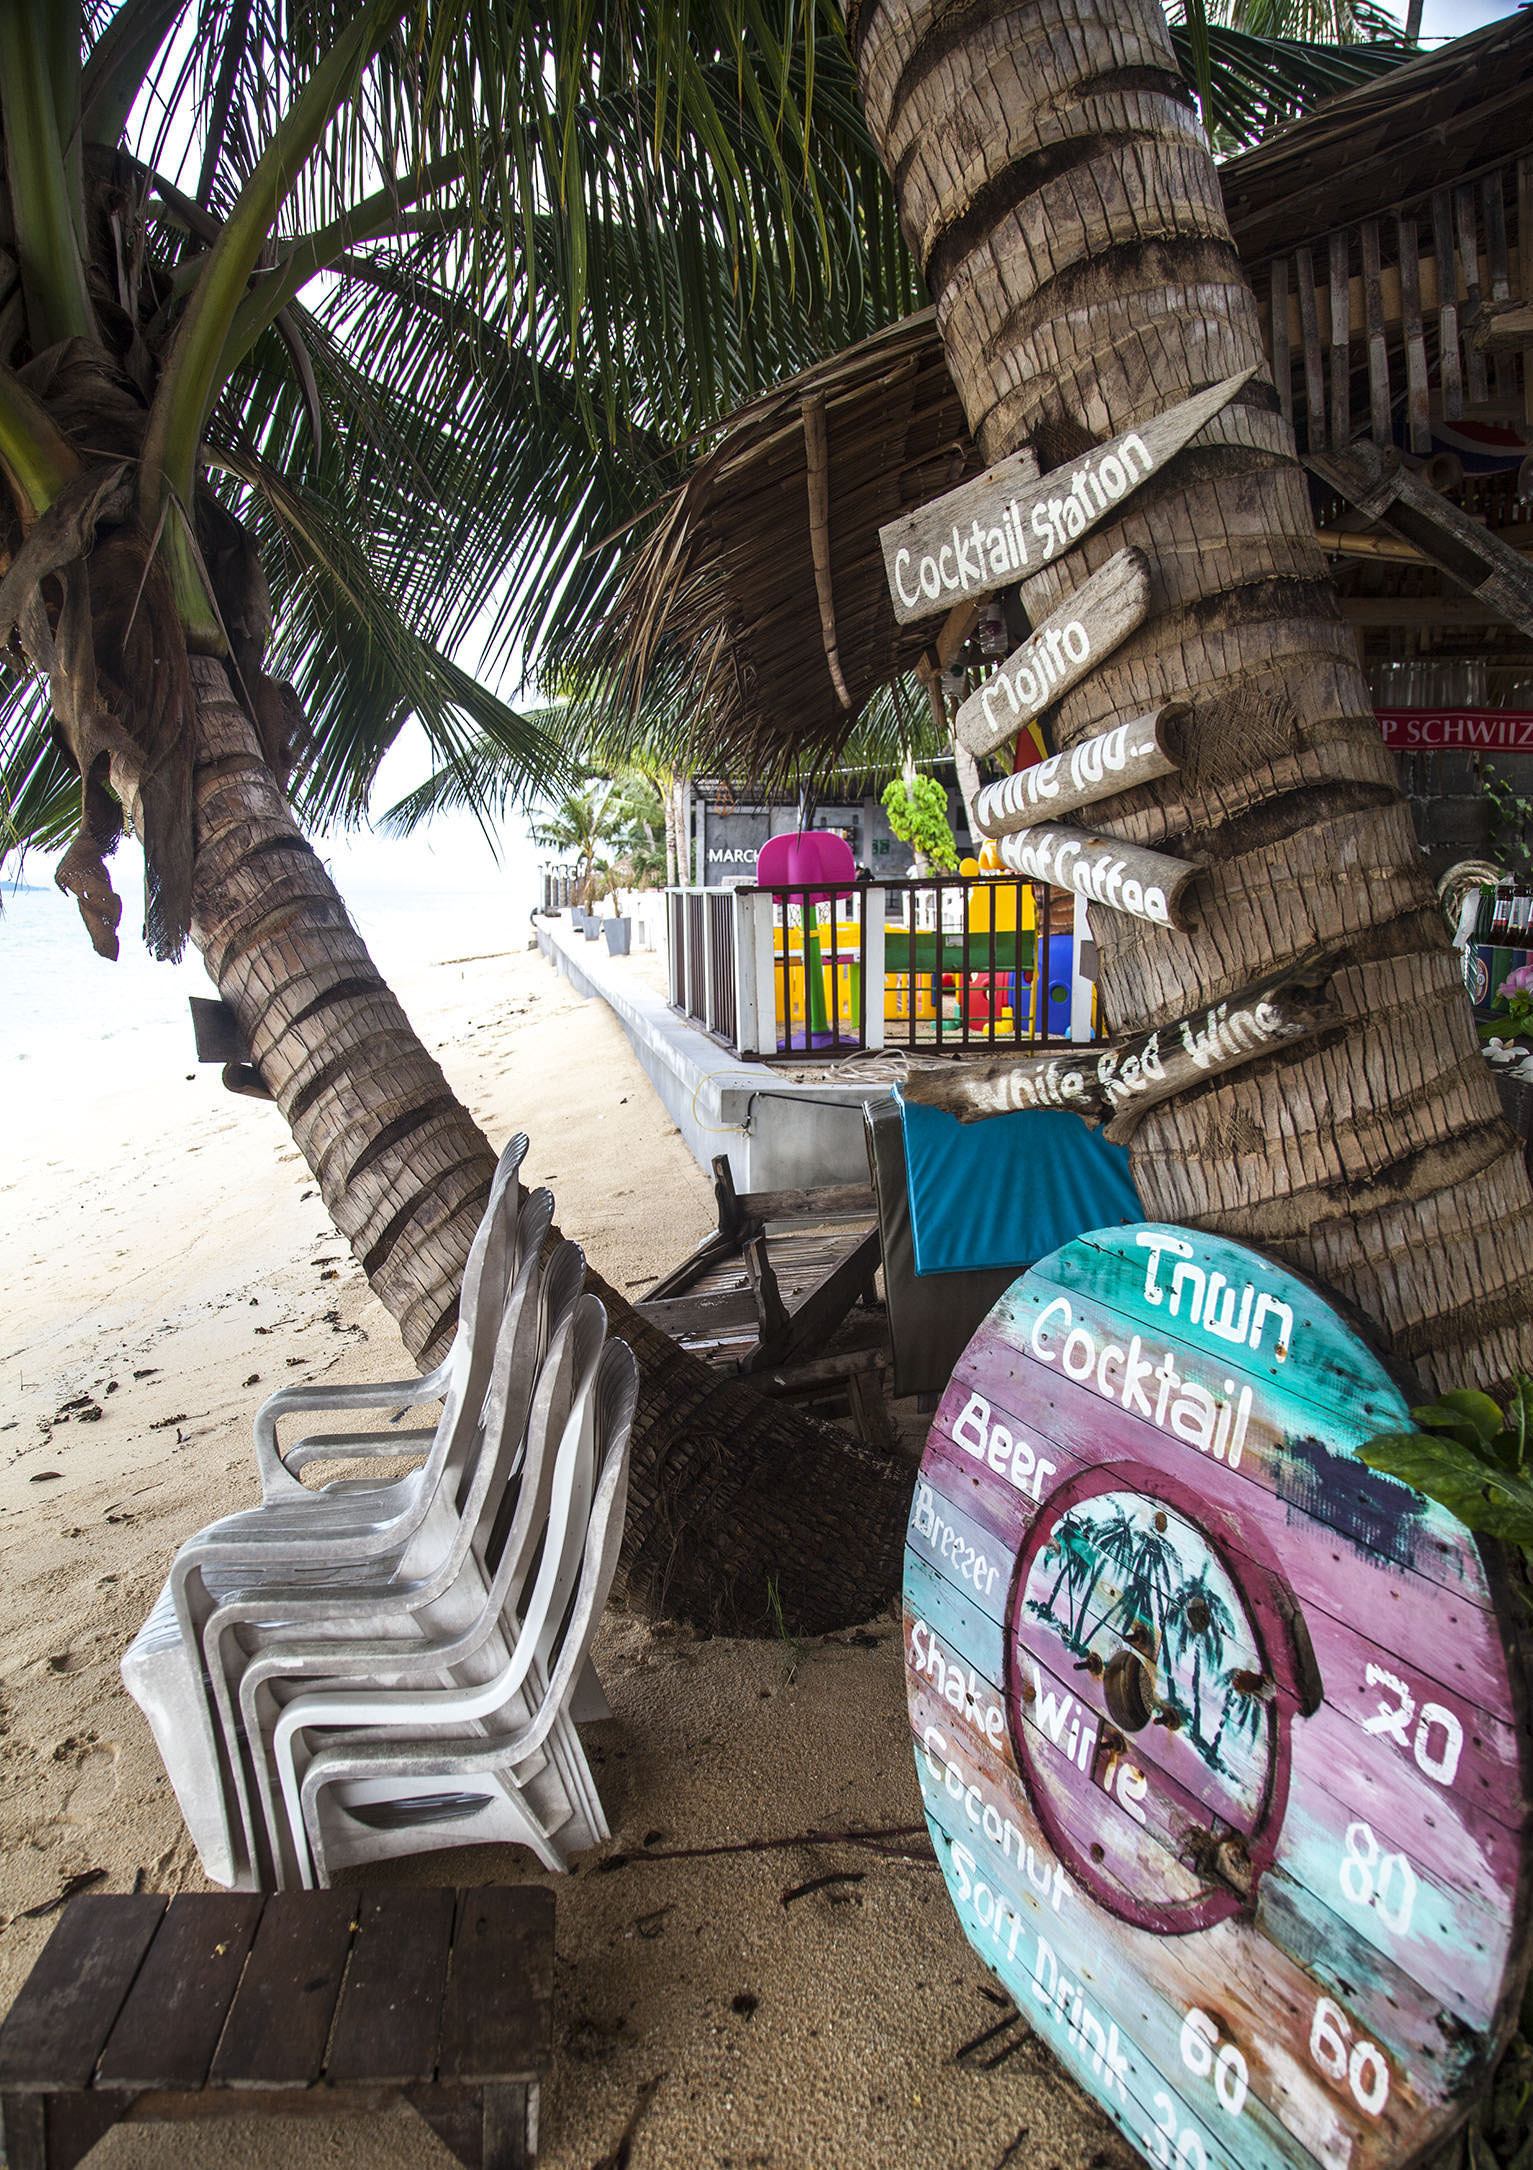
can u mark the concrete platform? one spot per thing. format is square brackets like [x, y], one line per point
[779, 1135]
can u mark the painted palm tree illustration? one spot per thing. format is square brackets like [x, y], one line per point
[1073, 1546]
[1148, 1583]
[1241, 1714]
[1198, 1620]
[1114, 1538]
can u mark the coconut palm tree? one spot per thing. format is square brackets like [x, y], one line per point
[377, 315]
[328, 328]
[1058, 193]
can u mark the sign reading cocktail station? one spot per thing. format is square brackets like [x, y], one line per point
[993, 531]
[1220, 1735]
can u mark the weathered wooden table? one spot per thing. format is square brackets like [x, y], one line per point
[226, 2004]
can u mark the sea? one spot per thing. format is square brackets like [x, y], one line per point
[73, 1025]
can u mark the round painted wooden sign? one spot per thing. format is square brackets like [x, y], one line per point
[1223, 1753]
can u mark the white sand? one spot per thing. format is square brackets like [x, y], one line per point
[169, 1263]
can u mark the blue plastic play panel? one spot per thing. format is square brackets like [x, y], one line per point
[1008, 1190]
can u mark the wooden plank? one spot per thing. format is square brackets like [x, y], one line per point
[995, 530]
[815, 1318]
[1448, 363]
[1476, 383]
[1341, 344]
[1525, 270]
[1071, 641]
[817, 477]
[1379, 483]
[1278, 343]
[278, 2023]
[1119, 1083]
[819, 1371]
[1417, 407]
[831, 1201]
[497, 2021]
[733, 1312]
[1098, 767]
[510, 2133]
[1126, 878]
[1317, 437]
[390, 2012]
[167, 2031]
[1499, 265]
[55, 2030]
[1379, 419]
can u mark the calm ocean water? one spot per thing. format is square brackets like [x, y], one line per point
[73, 1026]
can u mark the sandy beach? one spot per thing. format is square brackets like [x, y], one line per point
[169, 1263]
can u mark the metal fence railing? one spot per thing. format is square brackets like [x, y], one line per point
[945, 964]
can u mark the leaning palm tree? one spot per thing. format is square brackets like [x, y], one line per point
[330, 330]
[1058, 192]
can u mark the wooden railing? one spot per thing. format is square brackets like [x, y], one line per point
[948, 964]
[1426, 307]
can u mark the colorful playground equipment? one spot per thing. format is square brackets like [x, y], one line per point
[980, 964]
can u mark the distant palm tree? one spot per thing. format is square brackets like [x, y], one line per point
[1198, 1619]
[580, 826]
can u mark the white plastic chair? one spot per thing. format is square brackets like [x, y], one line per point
[459, 1637]
[162, 1668]
[384, 1811]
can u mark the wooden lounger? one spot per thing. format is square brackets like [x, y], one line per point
[776, 1277]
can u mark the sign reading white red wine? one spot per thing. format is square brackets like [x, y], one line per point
[1221, 1737]
[993, 531]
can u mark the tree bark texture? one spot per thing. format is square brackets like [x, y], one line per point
[741, 1517]
[1057, 190]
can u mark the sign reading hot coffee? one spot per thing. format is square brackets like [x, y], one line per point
[1087, 626]
[1145, 884]
[1221, 1736]
[993, 531]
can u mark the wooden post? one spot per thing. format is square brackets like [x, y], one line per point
[874, 904]
[1088, 625]
[1378, 483]
[755, 981]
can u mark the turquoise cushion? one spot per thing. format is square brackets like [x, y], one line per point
[1010, 1189]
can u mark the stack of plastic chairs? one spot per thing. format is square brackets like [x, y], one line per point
[379, 1668]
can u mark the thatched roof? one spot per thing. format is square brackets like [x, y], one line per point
[763, 582]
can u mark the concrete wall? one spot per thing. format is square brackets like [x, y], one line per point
[777, 1136]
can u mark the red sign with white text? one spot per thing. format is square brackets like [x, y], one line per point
[1457, 730]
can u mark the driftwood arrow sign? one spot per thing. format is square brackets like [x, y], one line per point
[1131, 753]
[1118, 1084]
[1125, 877]
[990, 532]
[1087, 626]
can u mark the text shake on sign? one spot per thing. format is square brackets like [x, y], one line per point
[993, 531]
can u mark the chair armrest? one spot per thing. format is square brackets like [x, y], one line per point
[365, 1394]
[335, 1446]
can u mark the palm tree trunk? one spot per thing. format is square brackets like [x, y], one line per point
[739, 1517]
[1057, 190]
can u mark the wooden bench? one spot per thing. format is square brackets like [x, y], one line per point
[226, 2004]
